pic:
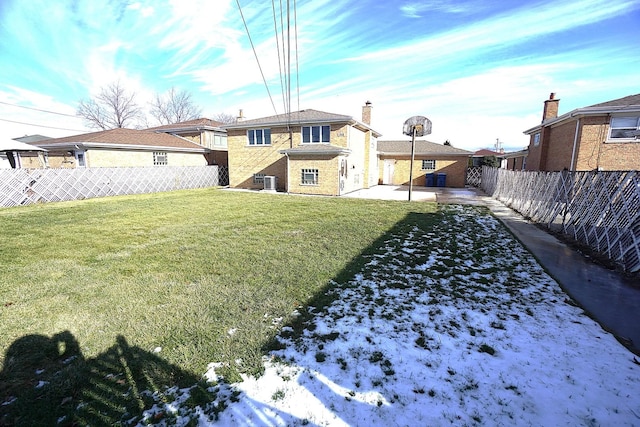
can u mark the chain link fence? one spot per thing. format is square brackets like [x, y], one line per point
[27, 186]
[598, 209]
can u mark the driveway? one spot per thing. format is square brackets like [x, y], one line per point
[465, 196]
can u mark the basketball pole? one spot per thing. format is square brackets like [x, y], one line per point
[413, 149]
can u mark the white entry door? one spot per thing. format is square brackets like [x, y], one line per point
[387, 176]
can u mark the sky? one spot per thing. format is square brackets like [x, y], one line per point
[480, 71]
[410, 341]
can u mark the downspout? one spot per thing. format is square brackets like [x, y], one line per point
[573, 166]
[287, 172]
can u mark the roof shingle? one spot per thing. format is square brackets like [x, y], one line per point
[122, 136]
[190, 124]
[421, 148]
[620, 102]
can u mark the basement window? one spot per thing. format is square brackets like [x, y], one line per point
[258, 178]
[160, 158]
[309, 177]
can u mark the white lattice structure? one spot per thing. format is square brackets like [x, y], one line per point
[599, 209]
[474, 176]
[28, 186]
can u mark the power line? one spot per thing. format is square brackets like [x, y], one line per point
[295, 23]
[256, 55]
[275, 30]
[42, 126]
[38, 109]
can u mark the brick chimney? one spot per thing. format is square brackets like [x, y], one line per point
[550, 108]
[366, 113]
[240, 117]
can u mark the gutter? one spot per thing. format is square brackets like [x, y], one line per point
[87, 145]
[581, 112]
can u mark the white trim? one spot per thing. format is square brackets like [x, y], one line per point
[573, 164]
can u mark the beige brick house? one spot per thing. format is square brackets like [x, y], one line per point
[603, 136]
[205, 132]
[431, 161]
[304, 152]
[121, 148]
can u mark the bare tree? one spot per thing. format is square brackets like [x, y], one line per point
[225, 118]
[174, 107]
[113, 108]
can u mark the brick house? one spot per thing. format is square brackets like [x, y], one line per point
[603, 136]
[308, 152]
[205, 132]
[429, 158]
[515, 160]
[121, 148]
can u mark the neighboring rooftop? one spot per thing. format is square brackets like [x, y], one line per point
[29, 139]
[123, 137]
[189, 124]
[485, 152]
[620, 102]
[421, 147]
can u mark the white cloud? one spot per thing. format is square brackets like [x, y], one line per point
[419, 10]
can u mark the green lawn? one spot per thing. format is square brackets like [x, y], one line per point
[106, 298]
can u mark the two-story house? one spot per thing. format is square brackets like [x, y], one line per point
[304, 152]
[603, 136]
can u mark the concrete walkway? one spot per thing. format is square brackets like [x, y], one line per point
[609, 297]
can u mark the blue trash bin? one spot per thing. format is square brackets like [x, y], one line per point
[442, 180]
[430, 180]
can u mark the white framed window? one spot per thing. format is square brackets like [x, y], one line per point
[259, 136]
[536, 139]
[625, 128]
[258, 178]
[160, 158]
[428, 165]
[309, 177]
[316, 134]
[80, 159]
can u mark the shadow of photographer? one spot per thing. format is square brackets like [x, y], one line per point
[48, 381]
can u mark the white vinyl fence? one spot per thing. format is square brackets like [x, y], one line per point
[598, 209]
[28, 186]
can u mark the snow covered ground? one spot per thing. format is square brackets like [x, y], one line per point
[452, 324]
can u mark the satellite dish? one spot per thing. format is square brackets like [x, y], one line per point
[420, 124]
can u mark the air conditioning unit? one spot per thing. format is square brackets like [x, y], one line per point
[270, 183]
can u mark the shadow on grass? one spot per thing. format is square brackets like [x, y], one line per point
[319, 378]
[47, 381]
[323, 298]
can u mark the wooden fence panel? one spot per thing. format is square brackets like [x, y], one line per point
[27, 186]
[598, 209]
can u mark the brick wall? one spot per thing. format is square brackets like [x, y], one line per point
[560, 146]
[454, 167]
[245, 160]
[328, 176]
[534, 154]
